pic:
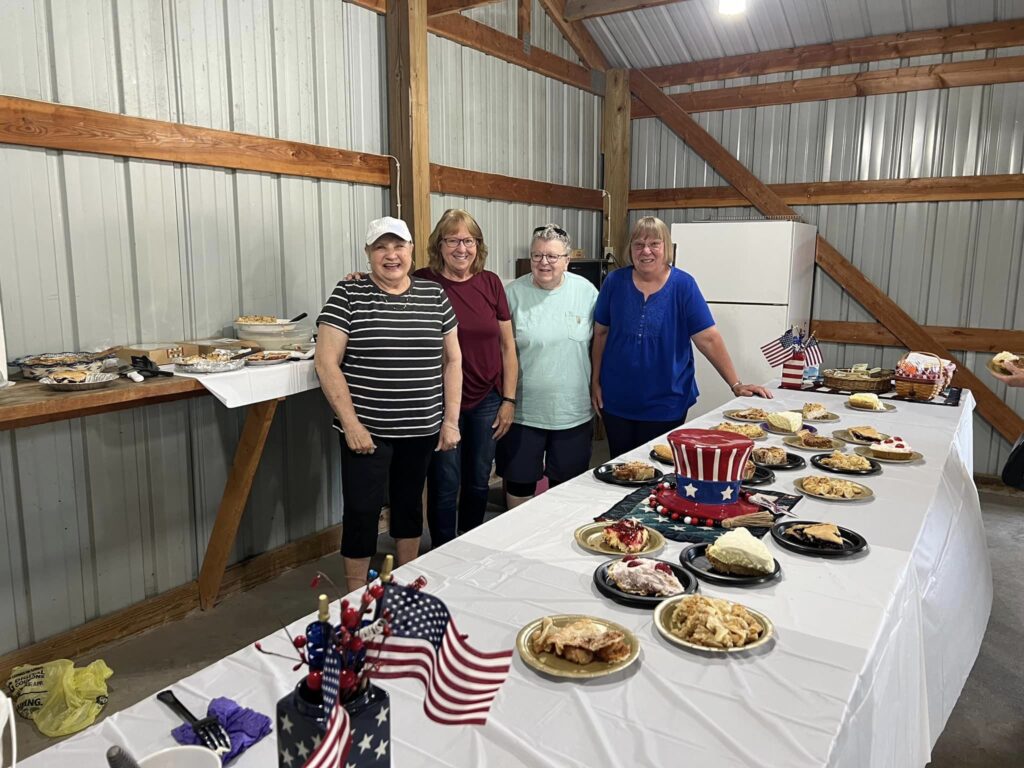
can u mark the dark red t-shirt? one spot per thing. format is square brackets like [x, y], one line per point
[479, 304]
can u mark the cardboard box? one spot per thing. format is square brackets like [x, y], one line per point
[161, 352]
[206, 346]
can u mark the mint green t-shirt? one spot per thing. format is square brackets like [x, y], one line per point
[553, 330]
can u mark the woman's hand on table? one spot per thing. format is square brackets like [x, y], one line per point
[748, 390]
[358, 439]
[449, 437]
[503, 421]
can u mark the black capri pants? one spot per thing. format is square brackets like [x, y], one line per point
[394, 473]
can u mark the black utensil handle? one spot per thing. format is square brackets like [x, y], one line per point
[168, 698]
[299, 317]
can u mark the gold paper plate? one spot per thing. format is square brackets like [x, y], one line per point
[731, 414]
[865, 451]
[556, 666]
[663, 613]
[847, 437]
[886, 407]
[590, 537]
[794, 442]
[866, 496]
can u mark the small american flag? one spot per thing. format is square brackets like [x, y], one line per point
[461, 681]
[333, 750]
[777, 351]
[812, 354]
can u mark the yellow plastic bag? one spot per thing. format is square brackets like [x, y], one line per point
[58, 697]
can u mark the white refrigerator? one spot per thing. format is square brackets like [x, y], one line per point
[757, 277]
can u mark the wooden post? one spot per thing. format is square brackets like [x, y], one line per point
[408, 117]
[236, 494]
[615, 148]
[524, 22]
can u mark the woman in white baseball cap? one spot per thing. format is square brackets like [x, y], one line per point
[389, 364]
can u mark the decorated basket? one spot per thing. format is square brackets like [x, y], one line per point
[877, 380]
[922, 375]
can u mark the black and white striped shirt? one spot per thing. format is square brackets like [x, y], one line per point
[393, 360]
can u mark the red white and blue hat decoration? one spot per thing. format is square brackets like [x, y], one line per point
[709, 471]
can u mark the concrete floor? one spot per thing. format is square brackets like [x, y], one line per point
[986, 729]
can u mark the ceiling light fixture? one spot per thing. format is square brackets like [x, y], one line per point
[731, 7]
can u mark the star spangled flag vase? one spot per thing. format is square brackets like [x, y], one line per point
[302, 726]
[793, 372]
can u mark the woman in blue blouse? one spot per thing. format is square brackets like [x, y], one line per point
[645, 319]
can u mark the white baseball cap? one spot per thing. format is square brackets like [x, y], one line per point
[388, 225]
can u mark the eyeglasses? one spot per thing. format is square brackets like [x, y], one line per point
[556, 230]
[552, 258]
[453, 242]
[654, 245]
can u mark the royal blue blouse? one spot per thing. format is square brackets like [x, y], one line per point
[647, 370]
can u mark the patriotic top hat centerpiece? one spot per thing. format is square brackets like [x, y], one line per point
[709, 472]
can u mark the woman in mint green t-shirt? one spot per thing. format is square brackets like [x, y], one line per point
[553, 320]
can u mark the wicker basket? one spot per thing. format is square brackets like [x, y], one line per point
[844, 379]
[921, 387]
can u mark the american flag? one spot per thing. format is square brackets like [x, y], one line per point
[461, 681]
[777, 351]
[333, 750]
[812, 354]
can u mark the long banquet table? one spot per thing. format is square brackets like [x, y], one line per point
[869, 658]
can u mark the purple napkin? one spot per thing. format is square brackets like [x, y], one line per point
[244, 726]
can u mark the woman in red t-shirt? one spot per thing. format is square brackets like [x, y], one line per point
[457, 253]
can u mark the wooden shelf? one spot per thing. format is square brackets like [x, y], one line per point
[28, 403]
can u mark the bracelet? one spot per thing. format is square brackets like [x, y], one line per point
[508, 400]
[737, 384]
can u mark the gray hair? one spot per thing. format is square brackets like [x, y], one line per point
[551, 232]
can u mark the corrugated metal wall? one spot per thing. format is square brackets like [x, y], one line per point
[944, 263]
[101, 512]
[490, 116]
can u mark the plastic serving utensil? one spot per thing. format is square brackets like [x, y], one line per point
[209, 730]
[298, 317]
[118, 758]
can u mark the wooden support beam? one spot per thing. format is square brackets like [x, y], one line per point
[1008, 69]
[444, 7]
[524, 22]
[58, 126]
[409, 117]
[473, 34]
[236, 494]
[615, 140]
[577, 10]
[45, 123]
[975, 37]
[866, 293]
[577, 35]
[492, 186]
[990, 340]
[1009, 186]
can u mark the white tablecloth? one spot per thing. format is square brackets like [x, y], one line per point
[870, 655]
[256, 383]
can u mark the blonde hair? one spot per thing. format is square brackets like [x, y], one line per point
[651, 225]
[449, 222]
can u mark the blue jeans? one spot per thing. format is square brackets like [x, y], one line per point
[467, 467]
